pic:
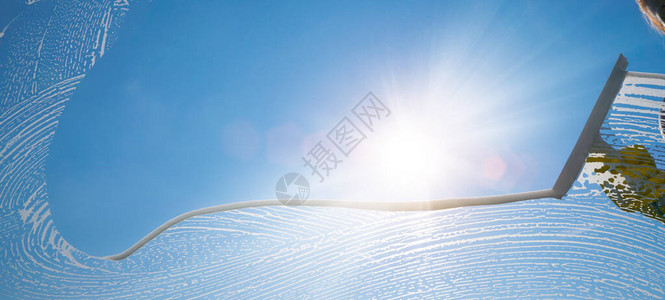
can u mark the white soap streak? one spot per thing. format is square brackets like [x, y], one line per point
[633, 78]
[640, 103]
[629, 90]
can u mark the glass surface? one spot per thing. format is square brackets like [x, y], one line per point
[165, 107]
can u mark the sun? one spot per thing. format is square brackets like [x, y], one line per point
[409, 157]
[404, 160]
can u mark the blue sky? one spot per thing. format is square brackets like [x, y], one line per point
[202, 105]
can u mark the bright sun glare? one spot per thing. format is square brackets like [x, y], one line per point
[451, 134]
[409, 157]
